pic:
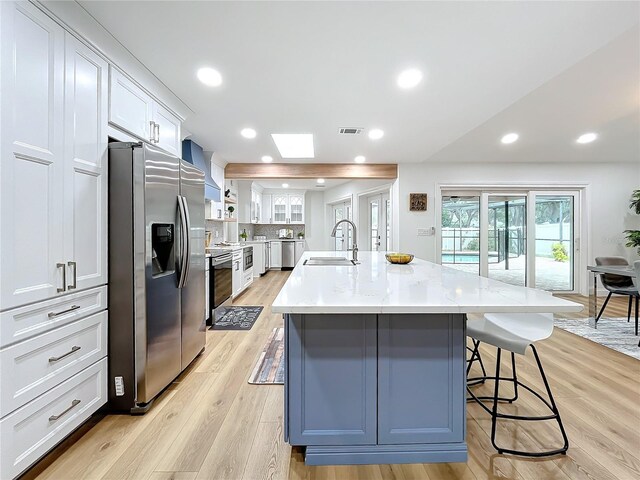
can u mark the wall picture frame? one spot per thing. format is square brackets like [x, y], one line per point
[417, 202]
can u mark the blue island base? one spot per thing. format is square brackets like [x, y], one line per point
[385, 454]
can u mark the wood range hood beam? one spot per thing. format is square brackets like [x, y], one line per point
[239, 171]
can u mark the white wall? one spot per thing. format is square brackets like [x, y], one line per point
[608, 192]
[352, 190]
[314, 222]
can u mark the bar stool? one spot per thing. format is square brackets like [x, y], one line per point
[514, 332]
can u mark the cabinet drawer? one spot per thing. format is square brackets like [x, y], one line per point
[21, 323]
[247, 278]
[32, 367]
[30, 432]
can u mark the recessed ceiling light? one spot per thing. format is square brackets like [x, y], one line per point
[210, 77]
[285, 185]
[294, 145]
[320, 181]
[359, 159]
[587, 137]
[510, 138]
[248, 133]
[409, 78]
[267, 159]
[375, 134]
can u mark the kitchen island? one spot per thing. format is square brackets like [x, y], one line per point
[375, 357]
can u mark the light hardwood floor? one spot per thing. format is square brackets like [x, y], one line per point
[211, 424]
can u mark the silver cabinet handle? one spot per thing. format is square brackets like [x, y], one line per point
[157, 130]
[74, 349]
[152, 131]
[75, 274]
[53, 418]
[56, 314]
[64, 277]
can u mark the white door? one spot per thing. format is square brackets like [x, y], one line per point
[31, 170]
[85, 179]
[379, 209]
[296, 208]
[130, 107]
[168, 125]
[344, 233]
[279, 204]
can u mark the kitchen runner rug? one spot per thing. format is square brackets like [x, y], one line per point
[614, 333]
[269, 369]
[237, 318]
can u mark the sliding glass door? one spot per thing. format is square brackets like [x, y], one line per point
[460, 240]
[554, 242]
[507, 238]
[522, 237]
[379, 224]
[343, 239]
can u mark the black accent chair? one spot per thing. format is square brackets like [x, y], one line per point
[618, 284]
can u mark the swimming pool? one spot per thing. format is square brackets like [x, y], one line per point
[460, 258]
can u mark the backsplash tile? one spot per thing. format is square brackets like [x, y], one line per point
[271, 230]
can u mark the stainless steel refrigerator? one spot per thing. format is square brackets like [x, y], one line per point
[156, 272]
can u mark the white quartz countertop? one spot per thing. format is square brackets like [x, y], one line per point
[376, 286]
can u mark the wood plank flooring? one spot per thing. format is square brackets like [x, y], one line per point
[211, 424]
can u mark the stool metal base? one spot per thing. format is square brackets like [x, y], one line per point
[495, 399]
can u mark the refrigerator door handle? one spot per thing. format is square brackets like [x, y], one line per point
[183, 242]
[187, 254]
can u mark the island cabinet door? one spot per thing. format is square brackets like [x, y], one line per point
[331, 379]
[421, 389]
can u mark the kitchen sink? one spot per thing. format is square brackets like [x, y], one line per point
[329, 261]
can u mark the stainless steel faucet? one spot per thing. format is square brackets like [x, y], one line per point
[355, 236]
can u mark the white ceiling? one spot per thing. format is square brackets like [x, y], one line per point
[312, 67]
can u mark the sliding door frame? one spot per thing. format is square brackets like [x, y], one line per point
[581, 228]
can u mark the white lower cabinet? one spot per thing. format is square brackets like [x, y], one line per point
[299, 250]
[236, 277]
[30, 368]
[275, 260]
[32, 430]
[53, 373]
[247, 278]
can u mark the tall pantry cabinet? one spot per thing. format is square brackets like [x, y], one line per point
[53, 220]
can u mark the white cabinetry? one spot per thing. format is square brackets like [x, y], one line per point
[130, 107]
[275, 260]
[134, 110]
[256, 206]
[287, 208]
[296, 208]
[53, 218]
[299, 250]
[85, 166]
[236, 278]
[32, 167]
[279, 205]
[53, 173]
[267, 216]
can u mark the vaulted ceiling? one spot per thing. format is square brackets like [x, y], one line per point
[549, 70]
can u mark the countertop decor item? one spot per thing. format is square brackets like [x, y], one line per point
[417, 202]
[230, 209]
[399, 258]
[244, 235]
[300, 235]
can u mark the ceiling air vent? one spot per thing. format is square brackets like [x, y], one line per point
[350, 131]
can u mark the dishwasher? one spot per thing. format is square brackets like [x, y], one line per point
[288, 254]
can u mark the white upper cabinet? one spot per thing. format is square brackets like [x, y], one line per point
[279, 205]
[130, 107]
[167, 130]
[32, 169]
[286, 208]
[266, 214]
[53, 174]
[296, 208]
[85, 180]
[135, 111]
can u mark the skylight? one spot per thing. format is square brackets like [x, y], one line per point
[294, 145]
